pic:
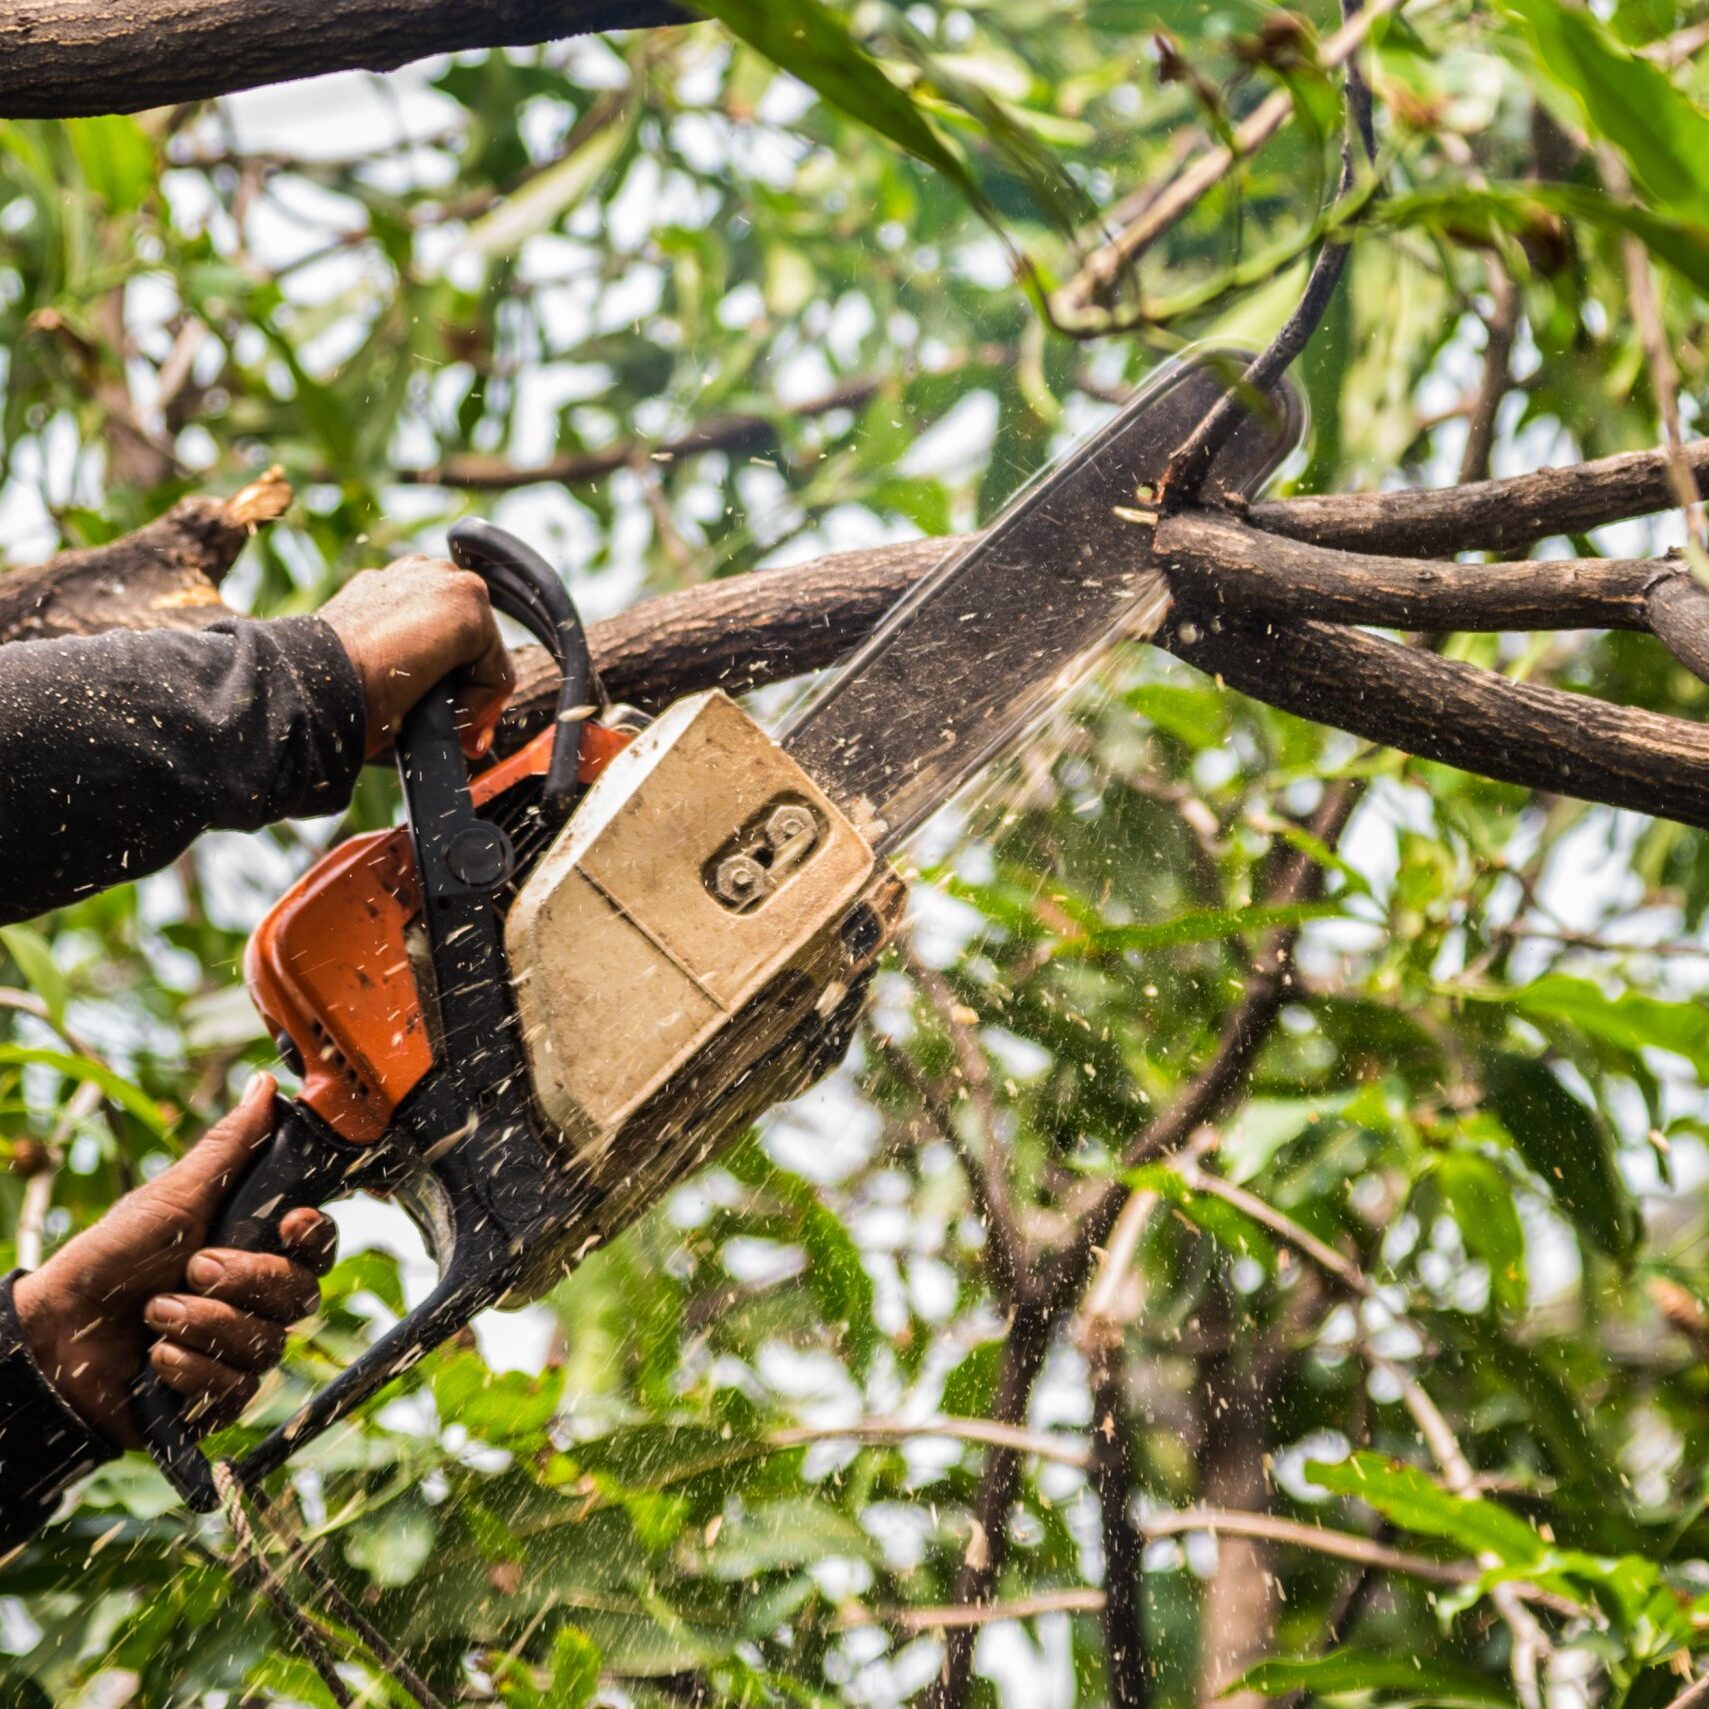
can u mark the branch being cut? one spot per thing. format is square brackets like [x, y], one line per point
[747, 631]
[1486, 516]
[1217, 565]
[1190, 466]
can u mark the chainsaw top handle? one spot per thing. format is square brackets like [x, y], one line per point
[523, 586]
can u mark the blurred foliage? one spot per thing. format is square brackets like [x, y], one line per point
[1483, 1094]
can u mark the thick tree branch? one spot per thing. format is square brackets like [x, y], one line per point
[1218, 565]
[1520, 733]
[747, 631]
[63, 58]
[1486, 516]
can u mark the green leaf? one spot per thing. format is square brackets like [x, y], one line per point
[1479, 1198]
[778, 1535]
[1197, 716]
[1196, 926]
[496, 1406]
[1566, 1145]
[1661, 132]
[811, 42]
[575, 1668]
[29, 949]
[116, 157]
[1229, 1226]
[1416, 1502]
[1631, 1021]
[1414, 1676]
[972, 1386]
[1510, 210]
[128, 1097]
[1262, 1126]
[392, 1543]
[560, 189]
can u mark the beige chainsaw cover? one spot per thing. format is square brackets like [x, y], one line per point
[704, 899]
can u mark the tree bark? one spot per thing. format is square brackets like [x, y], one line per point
[63, 58]
[1439, 709]
[1127, 1657]
[747, 631]
[166, 575]
[1485, 516]
[1238, 1612]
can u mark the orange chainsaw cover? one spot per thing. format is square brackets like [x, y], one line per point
[329, 966]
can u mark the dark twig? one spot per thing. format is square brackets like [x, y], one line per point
[1501, 325]
[1185, 477]
[1127, 1659]
[1055, 1285]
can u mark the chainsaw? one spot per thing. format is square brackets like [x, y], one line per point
[567, 982]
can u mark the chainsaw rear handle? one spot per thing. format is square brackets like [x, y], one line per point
[304, 1163]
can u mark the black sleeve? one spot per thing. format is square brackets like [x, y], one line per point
[117, 751]
[44, 1445]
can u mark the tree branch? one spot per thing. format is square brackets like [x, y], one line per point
[1078, 306]
[1215, 564]
[1127, 1652]
[1500, 327]
[1043, 1444]
[747, 631]
[1485, 516]
[163, 576]
[474, 471]
[1185, 476]
[1439, 709]
[63, 58]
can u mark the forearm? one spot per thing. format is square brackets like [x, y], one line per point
[116, 752]
[44, 1445]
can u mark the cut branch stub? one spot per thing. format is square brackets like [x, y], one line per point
[165, 575]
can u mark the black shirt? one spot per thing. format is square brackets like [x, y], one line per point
[116, 753]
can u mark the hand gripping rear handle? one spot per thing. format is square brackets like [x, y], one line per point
[304, 1163]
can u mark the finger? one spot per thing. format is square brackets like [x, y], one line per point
[241, 1339]
[485, 687]
[309, 1239]
[197, 1183]
[254, 1281]
[214, 1393]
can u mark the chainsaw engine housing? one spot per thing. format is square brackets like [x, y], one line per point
[688, 948]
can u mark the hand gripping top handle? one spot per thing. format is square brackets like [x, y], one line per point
[461, 1142]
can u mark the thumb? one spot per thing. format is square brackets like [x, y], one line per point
[201, 1178]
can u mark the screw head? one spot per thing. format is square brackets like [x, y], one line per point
[480, 856]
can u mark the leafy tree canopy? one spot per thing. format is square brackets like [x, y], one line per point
[929, 1386]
